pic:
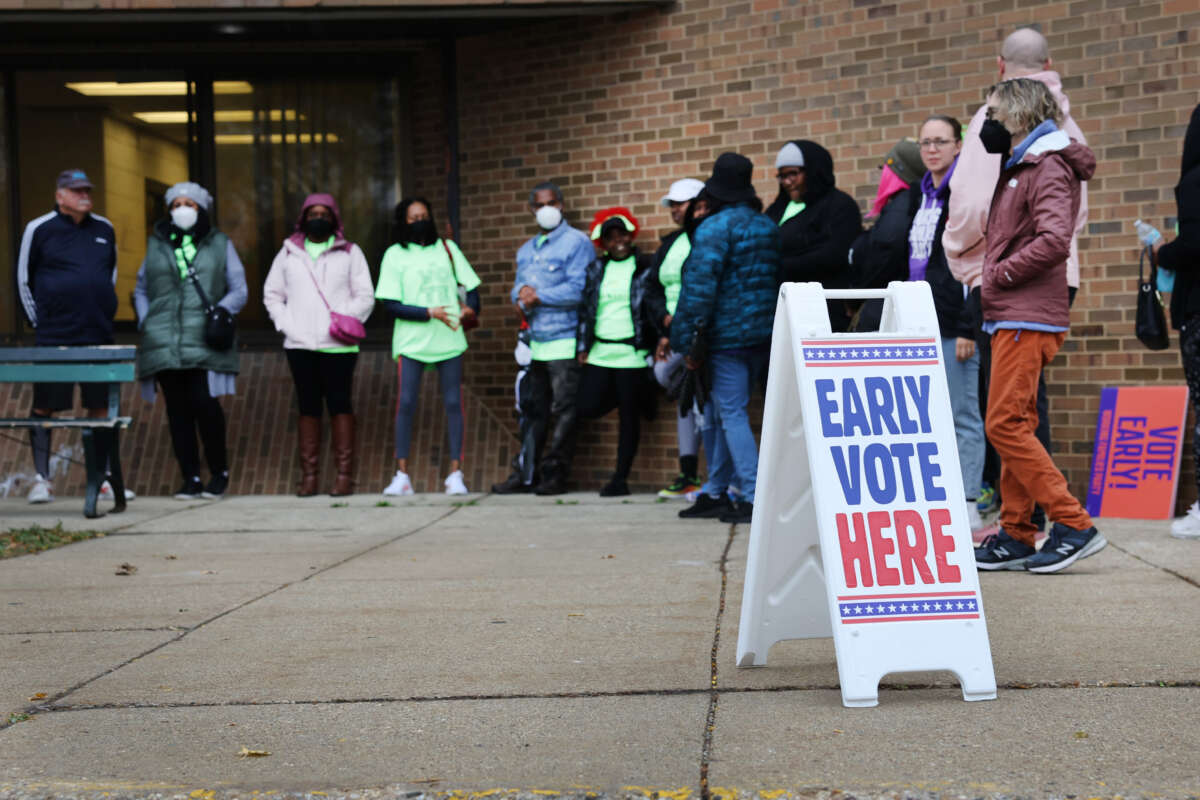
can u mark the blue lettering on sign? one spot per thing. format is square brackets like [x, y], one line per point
[881, 407]
[1139, 454]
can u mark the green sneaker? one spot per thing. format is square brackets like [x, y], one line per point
[681, 486]
[987, 500]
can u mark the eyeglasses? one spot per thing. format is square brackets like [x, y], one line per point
[938, 144]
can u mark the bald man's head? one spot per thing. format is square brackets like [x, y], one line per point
[1024, 52]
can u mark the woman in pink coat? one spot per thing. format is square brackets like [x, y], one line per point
[316, 272]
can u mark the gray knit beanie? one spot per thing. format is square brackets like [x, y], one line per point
[192, 191]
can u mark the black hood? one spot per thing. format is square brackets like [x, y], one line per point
[1191, 144]
[818, 173]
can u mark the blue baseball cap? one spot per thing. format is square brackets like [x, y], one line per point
[73, 179]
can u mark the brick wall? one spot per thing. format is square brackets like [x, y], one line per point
[615, 108]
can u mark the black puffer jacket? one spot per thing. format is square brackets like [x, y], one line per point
[957, 317]
[646, 306]
[814, 243]
[1183, 254]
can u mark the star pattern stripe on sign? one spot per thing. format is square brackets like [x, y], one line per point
[925, 351]
[959, 608]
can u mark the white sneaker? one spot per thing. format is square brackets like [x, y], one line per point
[1186, 527]
[399, 487]
[973, 517]
[455, 484]
[41, 491]
[106, 492]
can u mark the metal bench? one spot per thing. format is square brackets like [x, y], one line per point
[111, 364]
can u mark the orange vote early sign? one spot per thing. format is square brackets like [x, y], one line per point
[1135, 463]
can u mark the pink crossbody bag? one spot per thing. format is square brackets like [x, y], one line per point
[344, 328]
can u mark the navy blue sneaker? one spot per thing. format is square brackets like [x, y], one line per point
[1001, 551]
[1064, 546]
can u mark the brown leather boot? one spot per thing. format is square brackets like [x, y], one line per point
[310, 455]
[343, 454]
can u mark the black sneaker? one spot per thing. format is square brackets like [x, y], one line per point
[217, 486]
[707, 507]
[551, 486]
[192, 489]
[741, 514]
[1001, 551]
[513, 484]
[1063, 547]
[615, 488]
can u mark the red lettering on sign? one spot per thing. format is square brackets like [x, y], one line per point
[915, 538]
[854, 551]
[912, 551]
[882, 547]
[943, 543]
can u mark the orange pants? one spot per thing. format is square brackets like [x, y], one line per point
[1027, 472]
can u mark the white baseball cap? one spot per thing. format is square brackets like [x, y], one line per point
[682, 190]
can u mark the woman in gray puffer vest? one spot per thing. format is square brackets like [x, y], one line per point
[171, 317]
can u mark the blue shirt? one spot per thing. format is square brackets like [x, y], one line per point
[555, 264]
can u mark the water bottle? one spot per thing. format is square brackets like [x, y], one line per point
[1149, 236]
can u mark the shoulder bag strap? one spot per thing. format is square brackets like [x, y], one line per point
[453, 266]
[312, 275]
[191, 273]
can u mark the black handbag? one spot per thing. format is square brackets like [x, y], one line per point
[697, 383]
[219, 329]
[1151, 322]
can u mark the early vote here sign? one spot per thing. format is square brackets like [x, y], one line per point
[885, 468]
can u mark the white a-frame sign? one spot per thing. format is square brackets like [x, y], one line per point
[860, 527]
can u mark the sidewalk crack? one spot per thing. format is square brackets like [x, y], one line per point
[710, 721]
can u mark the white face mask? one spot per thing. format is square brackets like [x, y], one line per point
[548, 218]
[184, 217]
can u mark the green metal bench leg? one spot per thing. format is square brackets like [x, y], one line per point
[95, 474]
[116, 478]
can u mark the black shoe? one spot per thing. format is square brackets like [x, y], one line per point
[217, 486]
[1064, 547]
[741, 514]
[192, 489]
[550, 486]
[513, 484]
[707, 507]
[1000, 551]
[616, 487]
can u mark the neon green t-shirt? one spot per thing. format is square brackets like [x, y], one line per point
[184, 254]
[614, 319]
[793, 208]
[423, 276]
[670, 272]
[315, 250]
[553, 350]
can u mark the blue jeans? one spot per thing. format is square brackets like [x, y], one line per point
[734, 453]
[962, 379]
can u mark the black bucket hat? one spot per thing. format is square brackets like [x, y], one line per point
[730, 181]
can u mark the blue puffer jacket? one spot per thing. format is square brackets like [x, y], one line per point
[557, 269]
[729, 281]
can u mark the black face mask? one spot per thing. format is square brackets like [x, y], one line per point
[423, 232]
[318, 229]
[995, 137]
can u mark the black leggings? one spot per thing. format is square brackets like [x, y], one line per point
[601, 389]
[190, 407]
[327, 376]
[1189, 348]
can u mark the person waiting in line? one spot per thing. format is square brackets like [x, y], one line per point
[66, 270]
[1183, 257]
[619, 323]
[818, 223]
[171, 316]
[317, 272]
[551, 271]
[730, 293]
[419, 283]
[923, 209]
[666, 281]
[1026, 309]
[880, 253]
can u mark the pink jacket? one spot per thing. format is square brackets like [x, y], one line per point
[291, 297]
[971, 189]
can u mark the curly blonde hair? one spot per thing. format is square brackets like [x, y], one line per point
[1025, 102]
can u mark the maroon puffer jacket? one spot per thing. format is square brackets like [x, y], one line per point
[1029, 231]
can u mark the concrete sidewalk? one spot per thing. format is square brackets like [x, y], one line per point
[549, 645]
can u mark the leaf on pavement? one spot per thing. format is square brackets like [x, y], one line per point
[248, 753]
[126, 569]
